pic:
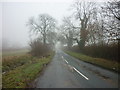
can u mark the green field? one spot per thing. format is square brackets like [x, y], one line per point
[108, 64]
[21, 69]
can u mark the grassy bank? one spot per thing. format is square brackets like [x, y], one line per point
[20, 71]
[111, 65]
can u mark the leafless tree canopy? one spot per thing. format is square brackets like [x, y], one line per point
[111, 12]
[92, 27]
[83, 12]
[68, 30]
[42, 25]
[114, 9]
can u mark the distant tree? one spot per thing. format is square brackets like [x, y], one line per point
[42, 25]
[61, 38]
[52, 38]
[68, 30]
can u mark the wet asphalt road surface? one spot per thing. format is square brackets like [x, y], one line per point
[65, 71]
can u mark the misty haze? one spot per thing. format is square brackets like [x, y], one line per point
[60, 44]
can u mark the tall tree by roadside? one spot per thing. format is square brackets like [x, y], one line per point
[114, 8]
[83, 11]
[42, 25]
[111, 11]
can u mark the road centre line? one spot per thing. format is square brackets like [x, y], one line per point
[64, 59]
[80, 73]
[76, 70]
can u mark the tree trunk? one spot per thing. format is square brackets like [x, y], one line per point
[83, 32]
[44, 39]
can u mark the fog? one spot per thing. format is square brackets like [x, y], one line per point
[0, 25]
[14, 16]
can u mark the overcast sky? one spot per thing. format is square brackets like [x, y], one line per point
[15, 15]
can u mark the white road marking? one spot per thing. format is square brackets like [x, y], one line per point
[76, 69]
[80, 73]
[63, 58]
[66, 61]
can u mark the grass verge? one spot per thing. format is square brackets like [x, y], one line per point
[111, 65]
[20, 76]
[11, 62]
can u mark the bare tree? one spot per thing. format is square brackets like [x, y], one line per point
[62, 39]
[68, 30]
[42, 25]
[111, 12]
[52, 38]
[113, 8]
[83, 12]
[96, 30]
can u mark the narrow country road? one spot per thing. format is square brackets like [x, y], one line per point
[65, 71]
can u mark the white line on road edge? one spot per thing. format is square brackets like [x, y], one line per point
[80, 73]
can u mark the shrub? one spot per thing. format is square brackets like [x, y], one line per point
[107, 51]
[38, 48]
[103, 51]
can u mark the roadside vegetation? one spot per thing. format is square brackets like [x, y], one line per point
[108, 64]
[92, 27]
[20, 71]
[91, 33]
[105, 51]
[12, 62]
